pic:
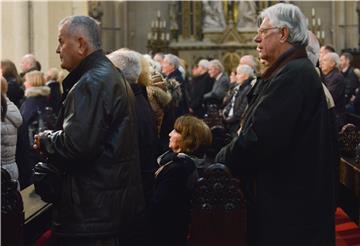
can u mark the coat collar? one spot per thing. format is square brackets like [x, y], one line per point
[293, 53]
[78, 72]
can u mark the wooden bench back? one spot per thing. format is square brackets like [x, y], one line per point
[218, 210]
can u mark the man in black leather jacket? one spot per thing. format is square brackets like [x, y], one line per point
[95, 144]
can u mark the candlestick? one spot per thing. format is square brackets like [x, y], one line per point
[319, 22]
[313, 11]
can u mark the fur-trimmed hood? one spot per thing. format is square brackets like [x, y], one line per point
[37, 91]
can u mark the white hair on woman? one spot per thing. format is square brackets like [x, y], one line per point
[334, 57]
[289, 15]
[128, 62]
[246, 69]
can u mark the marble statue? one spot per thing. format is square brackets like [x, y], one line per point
[214, 18]
[246, 15]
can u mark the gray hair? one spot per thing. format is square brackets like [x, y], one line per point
[203, 63]
[246, 69]
[172, 59]
[289, 15]
[217, 64]
[313, 48]
[85, 26]
[30, 60]
[128, 62]
[334, 57]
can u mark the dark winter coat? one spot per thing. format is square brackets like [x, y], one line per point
[147, 138]
[351, 83]
[55, 95]
[96, 145]
[15, 92]
[335, 82]
[220, 87]
[240, 104]
[32, 111]
[170, 206]
[285, 145]
[199, 86]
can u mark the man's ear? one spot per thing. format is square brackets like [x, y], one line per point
[284, 34]
[83, 46]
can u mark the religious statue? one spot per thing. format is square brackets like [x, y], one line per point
[214, 18]
[246, 15]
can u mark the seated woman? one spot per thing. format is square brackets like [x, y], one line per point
[170, 205]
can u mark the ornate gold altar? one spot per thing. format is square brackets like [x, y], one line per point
[221, 30]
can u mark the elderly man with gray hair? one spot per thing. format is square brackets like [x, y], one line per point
[99, 200]
[283, 148]
[335, 82]
[221, 84]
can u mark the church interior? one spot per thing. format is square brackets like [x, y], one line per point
[192, 30]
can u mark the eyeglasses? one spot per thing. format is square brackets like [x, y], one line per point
[262, 31]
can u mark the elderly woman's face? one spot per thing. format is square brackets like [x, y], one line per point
[327, 64]
[175, 141]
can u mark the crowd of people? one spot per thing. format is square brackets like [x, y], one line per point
[127, 131]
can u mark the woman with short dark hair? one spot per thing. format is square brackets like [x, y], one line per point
[170, 205]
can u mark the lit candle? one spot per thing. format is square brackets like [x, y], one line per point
[323, 34]
[167, 36]
[149, 35]
[318, 34]
[313, 22]
[162, 36]
[312, 11]
[319, 22]
[164, 23]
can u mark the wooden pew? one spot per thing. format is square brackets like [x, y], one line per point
[37, 215]
[218, 212]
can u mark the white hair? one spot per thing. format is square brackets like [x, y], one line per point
[128, 62]
[289, 15]
[334, 57]
[172, 59]
[246, 69]
[203, 63]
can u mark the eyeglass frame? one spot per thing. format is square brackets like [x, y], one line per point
[262, 31]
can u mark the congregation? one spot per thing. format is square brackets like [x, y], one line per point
[126, 133]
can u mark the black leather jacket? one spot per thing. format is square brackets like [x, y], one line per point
[96, 145]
